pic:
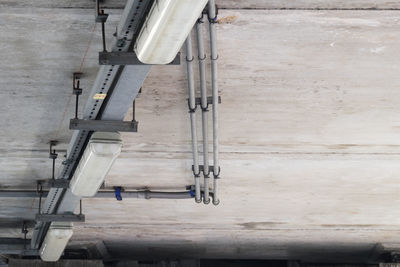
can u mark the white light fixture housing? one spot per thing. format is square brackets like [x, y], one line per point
[101, 152]
[166, 27]
[56, 240]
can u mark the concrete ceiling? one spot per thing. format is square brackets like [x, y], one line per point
[309, 130]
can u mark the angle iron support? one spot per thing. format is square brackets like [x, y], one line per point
[60, 217]
[127, 58]
[103, 125]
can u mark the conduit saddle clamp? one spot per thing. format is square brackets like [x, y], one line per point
[206, 11]
[198, 103]
[210, 169]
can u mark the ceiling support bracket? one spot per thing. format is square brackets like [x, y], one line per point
[103, 125]
[100, 15]
[102, 18]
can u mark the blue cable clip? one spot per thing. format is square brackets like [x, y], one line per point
[118, 193]
[192, 193]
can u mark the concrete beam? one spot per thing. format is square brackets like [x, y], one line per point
[226, 4]
[308, 4]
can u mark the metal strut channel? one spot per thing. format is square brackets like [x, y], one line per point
[104, 126]
[121, 84]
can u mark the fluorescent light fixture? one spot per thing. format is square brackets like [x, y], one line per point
[101, 151]
[56, 240]
[166, 27]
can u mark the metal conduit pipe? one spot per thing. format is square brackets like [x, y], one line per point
[204, 107]
[103, 194]
[214, 84]
[147, 195]
[192, 110]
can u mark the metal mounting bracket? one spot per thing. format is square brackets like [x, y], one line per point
[60, 217]
[127, 58]
[103, 125]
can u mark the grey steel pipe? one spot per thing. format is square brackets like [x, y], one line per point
[103, 194]
[204, 107]
[214, 85]
[146, 195]
[192, 109]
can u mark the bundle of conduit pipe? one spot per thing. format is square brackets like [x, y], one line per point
[205, 168]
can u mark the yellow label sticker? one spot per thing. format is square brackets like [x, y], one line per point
[99, 96]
